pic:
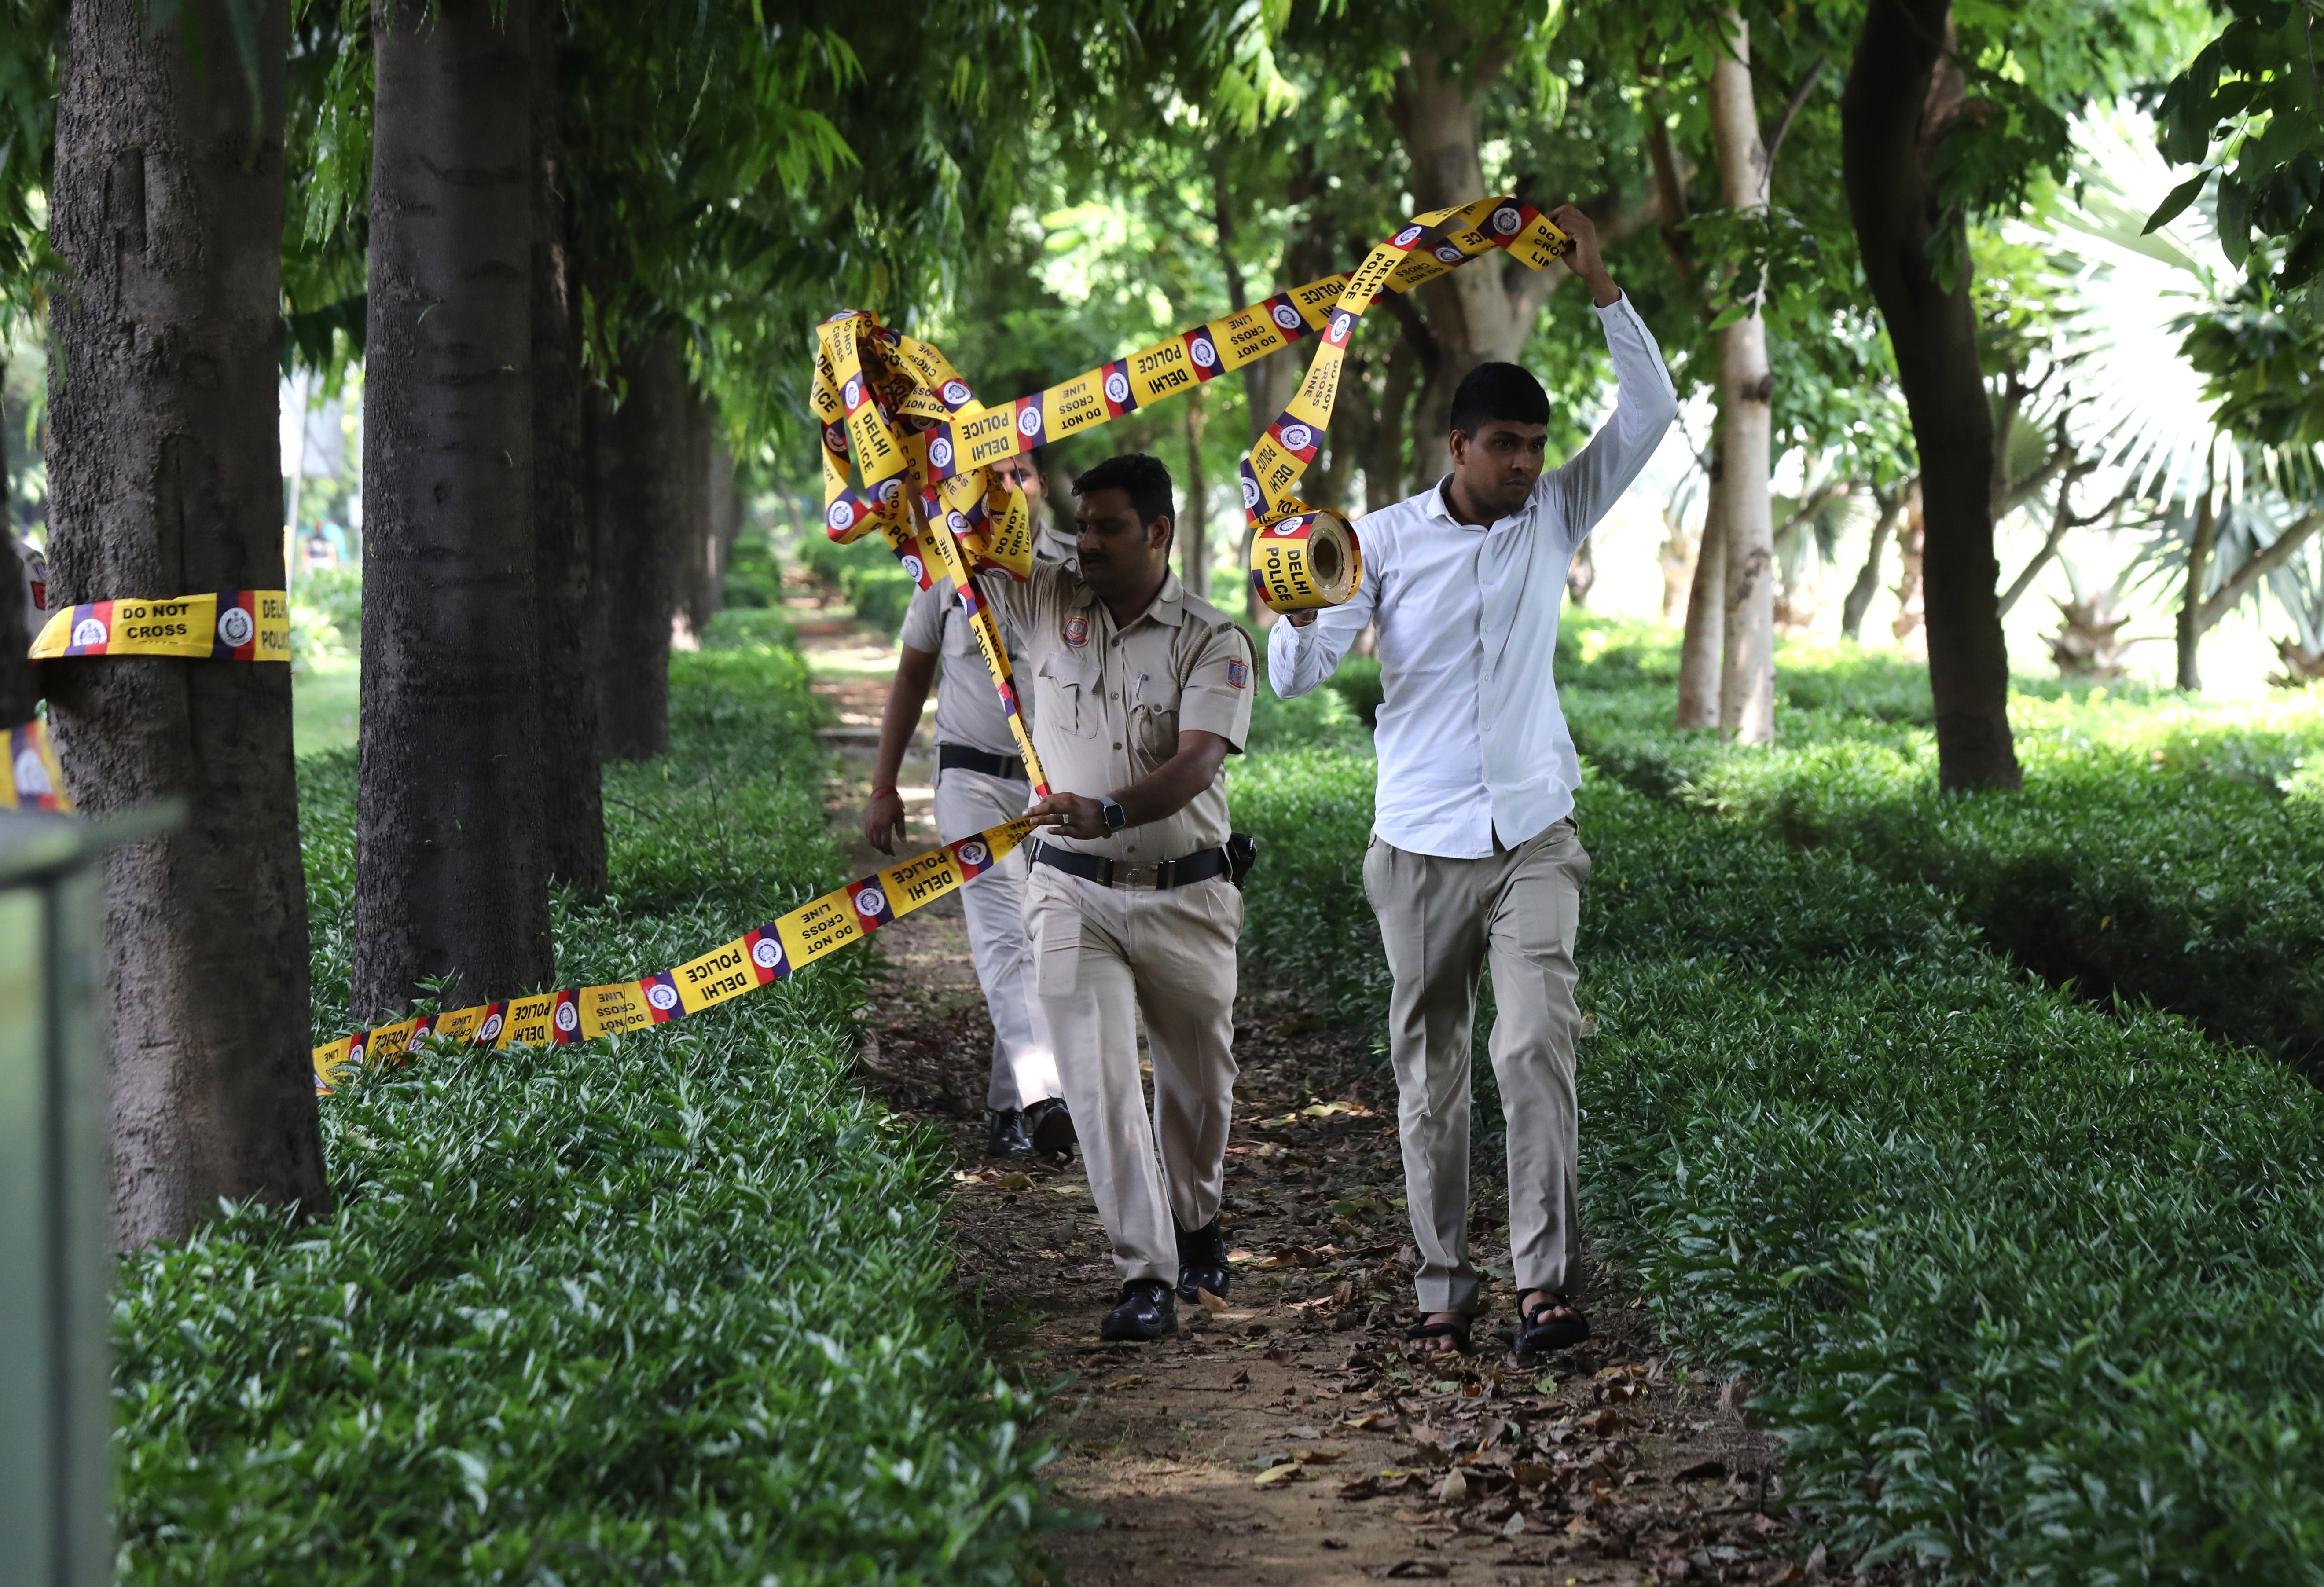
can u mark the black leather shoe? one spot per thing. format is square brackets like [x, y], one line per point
[1202, 1262]
[1051, 1127]
[1145, 1313]
[1009, 1137]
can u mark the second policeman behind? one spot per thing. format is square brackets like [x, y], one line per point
[1140, 691]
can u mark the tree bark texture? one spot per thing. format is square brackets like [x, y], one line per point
[451, 857]
[2190, 627]
[1702, 647]
[641, 501]
[1747, 684]
[164, 479]
[1195, 512]
[1868, 578]
[572, 810]
[1901, 92]
[20, 689]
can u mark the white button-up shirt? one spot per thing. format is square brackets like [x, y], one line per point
[1472, 745]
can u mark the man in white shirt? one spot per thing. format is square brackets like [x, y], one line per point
[980, 783]
[1474, 858]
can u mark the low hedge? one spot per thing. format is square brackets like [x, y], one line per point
[673, 1305]
[2032, 1292]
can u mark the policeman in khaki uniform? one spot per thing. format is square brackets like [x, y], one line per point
[1140, 691]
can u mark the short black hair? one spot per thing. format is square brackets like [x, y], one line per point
[1146, 478]
[1498, 390]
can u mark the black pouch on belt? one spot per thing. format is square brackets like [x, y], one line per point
[1242, 854]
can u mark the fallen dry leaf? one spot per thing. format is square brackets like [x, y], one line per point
[1241, 1379]
[1416, 1567]
[1273, 1476]
[1211, 1303]
[1370, 1418]
[1453, 1489]
[1514, 1526]
[1012, 1182]
[1282, 1357]
[1317, 1457]
[1132, 1381]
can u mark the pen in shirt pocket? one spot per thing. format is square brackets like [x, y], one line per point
[1138, 694]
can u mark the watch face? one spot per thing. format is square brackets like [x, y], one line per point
[1110, 814]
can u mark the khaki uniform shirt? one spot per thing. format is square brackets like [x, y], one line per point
[1108, 706]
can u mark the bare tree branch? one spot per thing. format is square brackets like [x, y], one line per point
[1773, 141]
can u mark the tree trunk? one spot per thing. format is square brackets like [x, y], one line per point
[1703, 647]
[1195, 513]
[20, 689]
[1893, 110]
[690, 531]
[641, 503]
[1257, 414]
[1868, 578]
[572, 810]
[1746, 686]
[1483, 311]
[2199, 567]
[1910, 596]
[451, 862]
[165, 478]
[723, 496]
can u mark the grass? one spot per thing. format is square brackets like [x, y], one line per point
[670, 1306]
[2032, 1289]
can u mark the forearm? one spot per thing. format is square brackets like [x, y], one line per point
[907, 696]
[1172, 786]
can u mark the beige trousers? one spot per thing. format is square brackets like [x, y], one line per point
[1443, 921]
[1024, 1071]
[1102, 956]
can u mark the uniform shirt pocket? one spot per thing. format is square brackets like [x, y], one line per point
[1157, 731]
[1061, 691]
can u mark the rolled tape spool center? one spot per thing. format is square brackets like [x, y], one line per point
[1323, 558]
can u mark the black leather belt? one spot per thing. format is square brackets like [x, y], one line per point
[962, 758]
[1199, 866]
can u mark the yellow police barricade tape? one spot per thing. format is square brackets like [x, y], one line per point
[231, 625]
[757, 958]
[31, 778]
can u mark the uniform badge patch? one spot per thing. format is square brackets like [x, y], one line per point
[1076, 632]
[1237, 675]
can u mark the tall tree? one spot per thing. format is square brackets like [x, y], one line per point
[20, 689]
[1745, 513]
[1903, 92]
[450, 861]
[163, 480]
[637, 475]
[572, 809]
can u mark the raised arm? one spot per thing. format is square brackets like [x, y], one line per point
[1644, 406]
[1305, 647]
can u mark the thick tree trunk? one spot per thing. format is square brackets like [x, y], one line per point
[1900, 94]
[1703, 647]
[2190, 628]
[20, 689]
[1195, 510]
[1868, 578]
[641, 501]
[451, 861]
[1746, 686]
[1483, 311]
[572, 816]
[164, 479]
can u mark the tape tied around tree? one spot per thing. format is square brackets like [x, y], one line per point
[757, 958]
[229, 625]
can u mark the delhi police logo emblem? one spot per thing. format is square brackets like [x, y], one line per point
[1288, 316]
[916, 568]
[940, 452]
[1250, 493]
[234, 627]
[1076, 631]
[956, 391]
[568, 1016]
[411, 1042]
[1289, 527]
[1448, 255]
[1205, 353]
[1505, 221]
[1117, 387]
[840, 516]
[663, 996]
[31, 777]
[1298, 437]
[890, 489]
[1341, 322]
[834, 438]
[766, 954]
[1404, 238]
[974, 853]
[1029, 421]
[870, 902]
[956, 520]
[489, 1030]
[852, 392]
[88, 630]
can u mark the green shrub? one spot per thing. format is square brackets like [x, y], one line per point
[753, 577]
[671, 1304]
[865, 573]
[1357, 680]
[2035, 1292]
[749, 628]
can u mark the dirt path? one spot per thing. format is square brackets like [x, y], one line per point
[1283, 1435]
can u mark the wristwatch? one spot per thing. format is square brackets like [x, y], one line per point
[1108, 810]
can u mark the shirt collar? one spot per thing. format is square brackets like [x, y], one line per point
[1170, 604]
[1438, 507]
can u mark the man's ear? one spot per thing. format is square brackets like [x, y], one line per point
[1458, 445]
[1166, 526]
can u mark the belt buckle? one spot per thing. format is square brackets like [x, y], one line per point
[1136, 875]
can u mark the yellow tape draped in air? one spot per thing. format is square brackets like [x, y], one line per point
[757, 958]
[230, 625]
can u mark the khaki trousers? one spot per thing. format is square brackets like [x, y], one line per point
[1443, 921]
[1102, 956]
[1024, 1070]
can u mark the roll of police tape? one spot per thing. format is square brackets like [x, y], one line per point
[1305, 562]
[231, 625]
[31, 778]
[757, 958]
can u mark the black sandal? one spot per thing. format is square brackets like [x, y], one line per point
[1457, 1330]
[1538, 1331]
